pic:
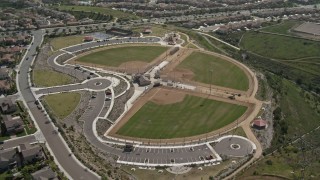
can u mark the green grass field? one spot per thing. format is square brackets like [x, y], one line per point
[63, 104]
[116, 56]
[193, 116]
[279, 47]
[224, 73]
[282, 28]
[62, 42]
[102, 10]
[40, 78]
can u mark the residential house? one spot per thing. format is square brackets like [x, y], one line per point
[44, 173]
[5, 73]
[12, 125]
[7, 58]
[5, 86]
[7, 106]
[9, 158]
[31, 154]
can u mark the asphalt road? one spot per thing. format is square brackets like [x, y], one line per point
[55, 142]
[97, 84]
[95, 108]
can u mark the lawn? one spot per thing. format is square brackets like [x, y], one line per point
[193, 116]
[279, 47]
[156, 31]
[63, 104]
[102, 10]
[282, 28]
[48, 78]
[62, 42]
[223, 72]
[116, 56]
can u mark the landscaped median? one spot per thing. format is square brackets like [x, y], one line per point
[65, 41]
[62, 104]
[48, 78]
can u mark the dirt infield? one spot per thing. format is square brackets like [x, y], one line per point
[160, 96]
[167, 96]
[171, 72]
[132, 67]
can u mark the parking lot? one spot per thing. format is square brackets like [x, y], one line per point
[164, 156]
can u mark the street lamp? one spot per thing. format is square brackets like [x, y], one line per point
[210, 80]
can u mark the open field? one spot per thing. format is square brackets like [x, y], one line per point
[47, 78]
[279, 47]
[209, 69]
[63, 104]
[62, 42]
[102, 10]
[156, 30]
[282, 28]
[117, 56]
[171, 114]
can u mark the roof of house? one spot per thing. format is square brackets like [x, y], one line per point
[32, 151]
[4, 71]
[7, 154]
[259, 122]
[44, 173]
[4, 85]
[10, 122]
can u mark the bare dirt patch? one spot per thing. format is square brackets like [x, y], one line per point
[181, 73]
[166, 96]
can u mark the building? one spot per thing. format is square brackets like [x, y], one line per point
[9, 158]
[5, 73]
[259, 124]
[7, 106]
[5, 86]
[44, 173]
[147, 31]
[12, 125]
[88, 38]
[31, 154]
[143, 81]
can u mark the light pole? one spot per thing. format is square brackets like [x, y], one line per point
[210, 80]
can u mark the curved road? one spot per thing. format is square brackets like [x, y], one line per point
[57, 145]
[54, 141]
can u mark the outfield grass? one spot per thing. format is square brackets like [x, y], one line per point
[102, 10]
[116, 56]
[223, 72]
[47, 78]
[62, 42]
[279, 47]
[193, 116]
[282, 28]
[63, 104]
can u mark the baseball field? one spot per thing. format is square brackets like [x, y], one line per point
[210, 69]
[117, 56]
[171, 114]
